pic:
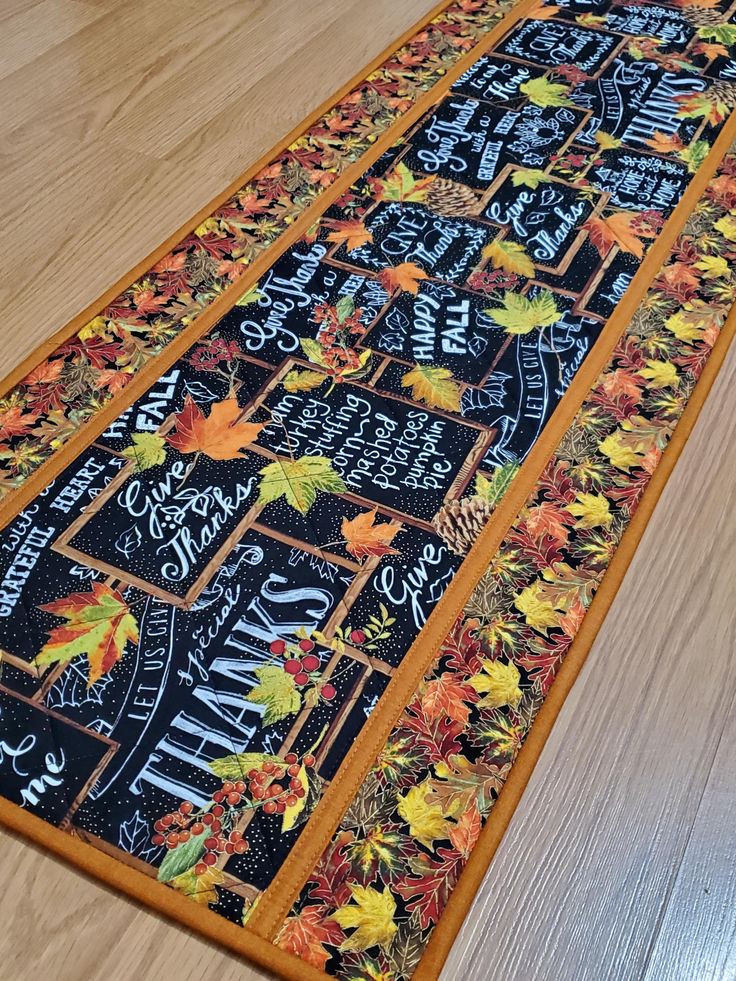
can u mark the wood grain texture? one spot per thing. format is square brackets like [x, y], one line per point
[605, 852]
[120, 120]
[130, 117]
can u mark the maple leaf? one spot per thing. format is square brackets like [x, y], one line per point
[713, 267]
[727, 227]
[545, 519]
[541, 92]
[351, 234]
[498, 683]
[219, 436]
[529, 177]
[520, 315]
[147, 451]
[724, 33]
[306, 934]
[434, 386]
[620, 382]
[372, 915]
[538, 613]
[509, 256]
[44, 374]
[363, 537]
[447, 696]
[616, 229]
[660, 374]
[709, 49]
[99, 624]
[592, 511]
[466, 832]
[426, 819]
[299, 481]
[695, 154]
[461, 783]
[402, 185]
[405, 277]
[14, 422]
[606, 141]
[427, 890]
[665, 142]
[277, 691]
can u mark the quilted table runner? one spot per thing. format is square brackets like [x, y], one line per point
[309, 524]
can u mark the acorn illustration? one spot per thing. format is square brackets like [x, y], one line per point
[460, 522]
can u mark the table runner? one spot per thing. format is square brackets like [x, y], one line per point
[302, 525]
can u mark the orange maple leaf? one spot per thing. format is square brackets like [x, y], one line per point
[363, 537]
[219, 436]
[665, 142]
[620, 382]
[99, 624]
[446, 696]
[709, 48]
[544, 519]
[46, 373]
[404, 277]
[306, 934]
[616, 229]
[351, 234]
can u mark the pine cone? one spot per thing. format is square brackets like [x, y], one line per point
[724, 91]
[699, 17]
[460, 522]
[450, 199]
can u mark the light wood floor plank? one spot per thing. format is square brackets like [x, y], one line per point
[85, 125]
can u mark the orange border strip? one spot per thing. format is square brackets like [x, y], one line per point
[291, 877]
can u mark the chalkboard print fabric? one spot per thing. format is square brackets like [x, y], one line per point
[212, 606]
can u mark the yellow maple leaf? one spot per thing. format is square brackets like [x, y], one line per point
[727, 227]
[499, 683]
[713, 266]
[509, 256]
[660, 374]
[686, 325]
[434, 386]
[592, 510]
[605, 141]
[621, 456]
[372, 916]
[539, 614]
[426, 820]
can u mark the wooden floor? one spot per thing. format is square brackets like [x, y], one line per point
[120, 119]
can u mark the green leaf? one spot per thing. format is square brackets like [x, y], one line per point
[299, 481]
[277, 691]
[313, 350]
[345, 307]
[148, 450]
[724, 33]
[494, 489]
[182, 857]
[544, 93]
[520, 315]
[695, 154]
[233, 767]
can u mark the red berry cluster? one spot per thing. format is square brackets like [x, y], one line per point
[271, 786]
[337, 337]
[303, 665]
[493, 282]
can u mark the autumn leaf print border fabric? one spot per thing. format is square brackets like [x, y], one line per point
[217, 606]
